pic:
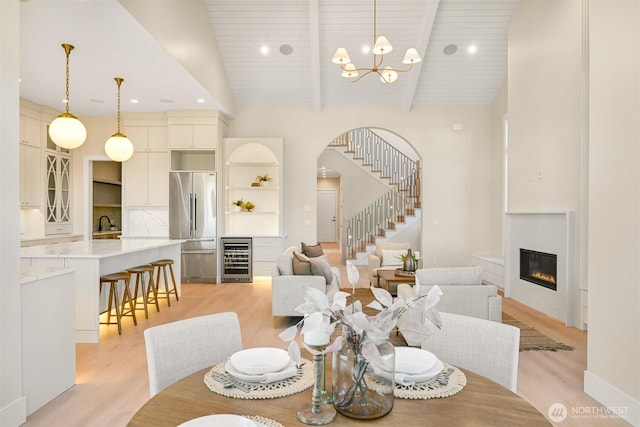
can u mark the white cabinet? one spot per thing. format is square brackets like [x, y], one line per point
[48, 334]
[245, 159]
[145, 176]
[30, 176]
[266, 251]
[195, 129]
[193, 136]
[146, 180]
[30, 129]
[148, 138]
[58, 196]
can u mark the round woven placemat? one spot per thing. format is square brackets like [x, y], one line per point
[267, 422]
[448, 382]
[299, 382]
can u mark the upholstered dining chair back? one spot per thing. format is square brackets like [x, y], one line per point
[482, 346]
[178, 349]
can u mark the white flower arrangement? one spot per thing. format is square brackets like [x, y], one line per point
[321, 318]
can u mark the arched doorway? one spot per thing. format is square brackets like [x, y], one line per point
[375, 175]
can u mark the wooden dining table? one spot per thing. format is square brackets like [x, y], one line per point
[481, 402]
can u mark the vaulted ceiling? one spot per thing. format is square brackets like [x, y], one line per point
[173, 53]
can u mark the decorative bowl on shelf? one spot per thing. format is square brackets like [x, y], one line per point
[248, 206]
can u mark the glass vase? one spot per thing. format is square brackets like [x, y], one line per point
[363, 389]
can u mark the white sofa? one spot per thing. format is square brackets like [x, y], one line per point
[288, 290]
[376, 261]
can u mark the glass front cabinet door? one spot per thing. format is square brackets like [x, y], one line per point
[58, 209]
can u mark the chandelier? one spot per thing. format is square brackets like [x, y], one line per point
[118, 147]
[381, 47]
[67, 131]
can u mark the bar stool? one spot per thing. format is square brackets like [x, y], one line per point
[112, 280]
[169, 288]
[146, 286]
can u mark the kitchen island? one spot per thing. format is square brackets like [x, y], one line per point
[92, 259]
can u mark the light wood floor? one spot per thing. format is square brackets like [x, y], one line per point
[112, 375]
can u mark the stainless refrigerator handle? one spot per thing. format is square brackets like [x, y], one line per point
[190, 214]
[195, 213]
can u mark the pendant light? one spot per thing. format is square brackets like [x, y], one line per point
[118, 147]
[66, 131]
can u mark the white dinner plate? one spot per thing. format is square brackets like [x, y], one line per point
[422, 376]
[260, 360]
[261, 378]
[220, 420]
[411, 360]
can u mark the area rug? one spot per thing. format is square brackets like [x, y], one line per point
[532, 339]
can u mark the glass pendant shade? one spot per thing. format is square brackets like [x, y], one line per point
[66, 131]
[119, 148]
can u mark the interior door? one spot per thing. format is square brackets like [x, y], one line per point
[327, 215]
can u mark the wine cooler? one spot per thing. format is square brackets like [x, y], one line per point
[236, 259]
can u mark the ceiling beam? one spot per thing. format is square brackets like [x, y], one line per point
[314, 36]
[425, 35]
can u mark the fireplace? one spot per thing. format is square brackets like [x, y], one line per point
[539, 268]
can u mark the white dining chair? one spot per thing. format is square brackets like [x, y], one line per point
[479, 345]
[178, 349]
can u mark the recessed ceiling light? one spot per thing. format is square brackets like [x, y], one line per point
[472, 49]
[200, 100]
[366, 49]
[286, 49]
[134, 101]
[264, 50]
[450, 49]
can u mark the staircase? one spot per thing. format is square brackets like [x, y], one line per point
[393, 210]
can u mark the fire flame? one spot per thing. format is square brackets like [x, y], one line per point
[546, 277]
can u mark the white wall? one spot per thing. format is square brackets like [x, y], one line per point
[613, 358]
[498, 116]
[12, 402]
[544, 105]
[456, 172]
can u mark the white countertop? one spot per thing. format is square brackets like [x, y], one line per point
[51, 237]
[31, 274]
[95, 248]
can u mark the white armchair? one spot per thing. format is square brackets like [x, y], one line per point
[376, 260]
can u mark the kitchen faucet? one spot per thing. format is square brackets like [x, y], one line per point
[100, 222]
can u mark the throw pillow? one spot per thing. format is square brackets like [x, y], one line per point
[301, 266]
[324, 268]
[392, 257]
[285, 265]
[312, 251]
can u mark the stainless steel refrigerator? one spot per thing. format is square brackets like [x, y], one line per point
[192, 217]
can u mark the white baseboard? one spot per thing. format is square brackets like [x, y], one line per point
[616, 401]
[15, 413]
